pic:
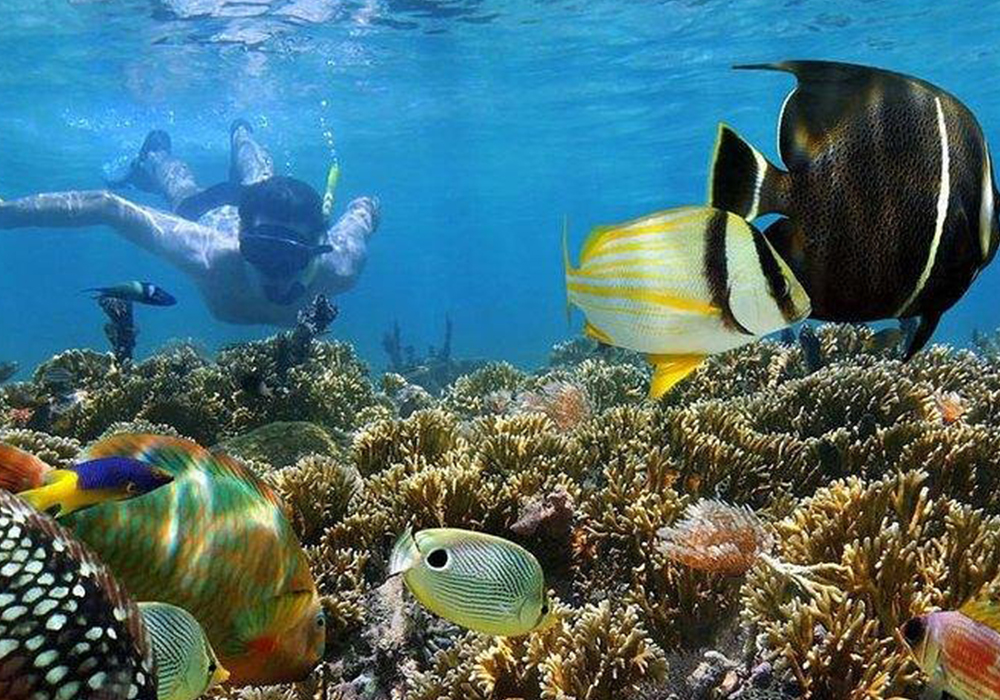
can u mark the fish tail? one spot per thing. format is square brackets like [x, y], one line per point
[670, 369]
[20, 471]
[404, 553]
[567, 266]
[743, 181]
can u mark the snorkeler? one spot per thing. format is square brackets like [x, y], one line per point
[258, 246]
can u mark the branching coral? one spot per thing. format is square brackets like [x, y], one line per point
[873, 487]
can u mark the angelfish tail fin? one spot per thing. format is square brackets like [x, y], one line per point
[20, 471]
[742, 181]
[670, 369]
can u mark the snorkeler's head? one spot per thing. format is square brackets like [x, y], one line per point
[282, 230]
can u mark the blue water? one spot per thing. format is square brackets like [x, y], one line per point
[478, 124]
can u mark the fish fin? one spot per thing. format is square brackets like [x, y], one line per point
[984, 610]
[789, 242]
[827, 94]
[567, 266]
[670, 369]
[928, 324]
[742, 181]
[20, 471]
[404, 553]
[595, 333]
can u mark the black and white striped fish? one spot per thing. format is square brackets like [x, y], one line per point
[68, 630]
[888, 200]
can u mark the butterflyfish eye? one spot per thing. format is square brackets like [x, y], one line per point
[320, 619]
[914, 630]
[438, 559]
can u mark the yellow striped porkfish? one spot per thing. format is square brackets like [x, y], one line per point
[682, 284]
[959, 650]
[212, 540]
[479, 581]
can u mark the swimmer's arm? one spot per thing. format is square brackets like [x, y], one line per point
[184, 243]
[349, 239]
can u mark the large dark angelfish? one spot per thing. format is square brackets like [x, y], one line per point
[888, 202]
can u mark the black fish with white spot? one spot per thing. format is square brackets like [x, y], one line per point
[68, 630]
[888, 201]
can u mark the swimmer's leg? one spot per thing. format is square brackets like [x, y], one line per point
[249, 162]
[156, 170]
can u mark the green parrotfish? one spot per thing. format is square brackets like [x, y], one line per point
[214, 541]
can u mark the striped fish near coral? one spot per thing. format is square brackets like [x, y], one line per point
[680, 285]
[958, 650]
[888, 203]
[475, 580]
[186, 665]
[214, 533]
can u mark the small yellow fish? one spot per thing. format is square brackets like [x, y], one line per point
[958, 650]
[479, 581]
[186, 665]
[680, 285]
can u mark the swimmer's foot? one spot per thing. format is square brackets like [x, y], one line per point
[139, 175]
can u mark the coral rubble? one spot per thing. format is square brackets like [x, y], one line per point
[864, 491]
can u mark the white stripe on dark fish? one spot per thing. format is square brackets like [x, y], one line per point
[944, 197]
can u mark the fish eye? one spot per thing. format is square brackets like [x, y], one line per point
[545, 609]
[913, 630]
[437, 559]
[320, 619]
[211, 668]
[131, 488]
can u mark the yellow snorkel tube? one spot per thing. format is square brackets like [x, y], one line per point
[331, 187]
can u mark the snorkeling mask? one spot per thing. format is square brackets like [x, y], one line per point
[273, 250]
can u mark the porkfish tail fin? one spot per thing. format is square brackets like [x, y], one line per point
[670, 369]
[567, 266]
[20, 471]
[742, 181]
[404, 553]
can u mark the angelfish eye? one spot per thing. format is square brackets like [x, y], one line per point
[914, 630]
[437, 559]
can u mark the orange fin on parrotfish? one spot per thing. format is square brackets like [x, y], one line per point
[20, 471]
[670, 369]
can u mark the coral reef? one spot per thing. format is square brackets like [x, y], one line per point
[120, 329]
[863, 491]
[434, 371]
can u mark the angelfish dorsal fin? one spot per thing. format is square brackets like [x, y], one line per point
[828, 94]
[984, 609]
